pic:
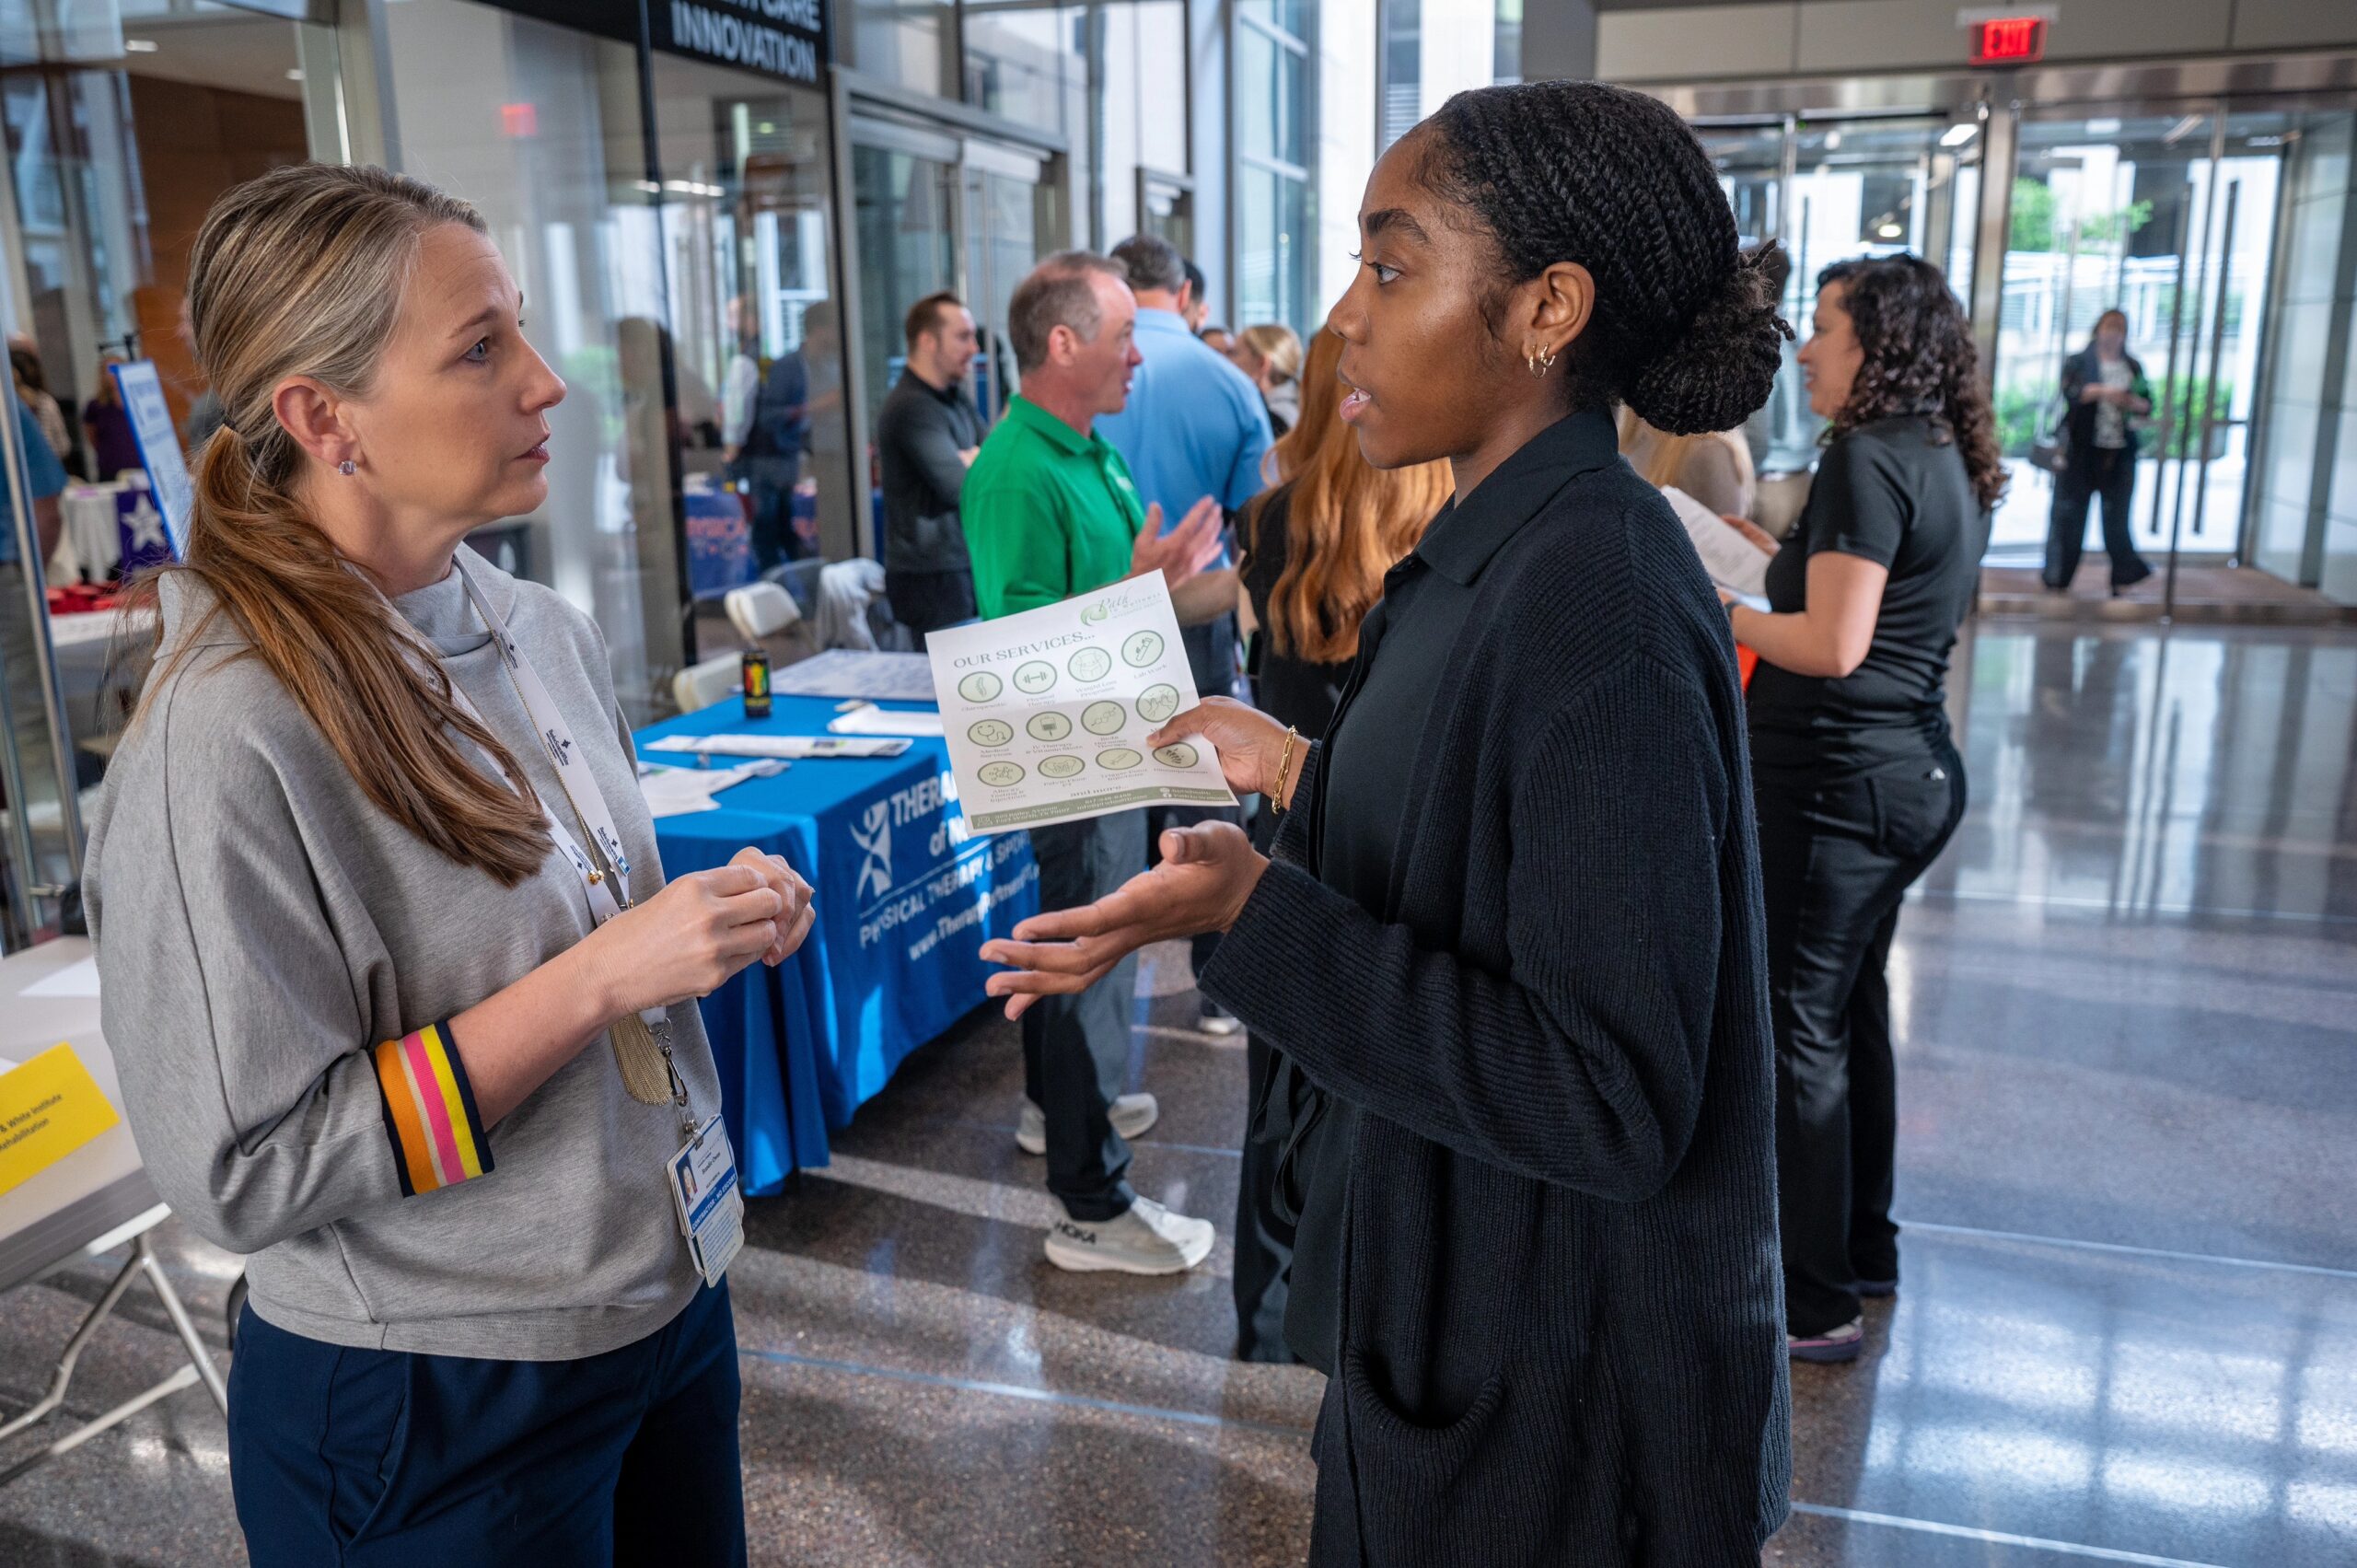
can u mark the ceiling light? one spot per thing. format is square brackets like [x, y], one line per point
[2106, 126]
[294, 72]
[1890, 231]
[1832, 140]
[140, 46]
[1957, 135]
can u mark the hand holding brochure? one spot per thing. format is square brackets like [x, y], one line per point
[1048, 712]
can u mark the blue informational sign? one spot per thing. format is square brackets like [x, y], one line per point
[160, 451]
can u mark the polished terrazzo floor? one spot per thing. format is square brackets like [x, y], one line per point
[2128, 1330]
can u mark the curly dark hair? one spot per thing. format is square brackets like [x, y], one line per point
[1921, 360]
[1684, 328]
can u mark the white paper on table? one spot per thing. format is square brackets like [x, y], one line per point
[1047, 712]
[872, 720]
[74, 980]
[675, 792]
[792, 748]
[1732, 562]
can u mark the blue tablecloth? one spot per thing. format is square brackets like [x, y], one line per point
[905, 901]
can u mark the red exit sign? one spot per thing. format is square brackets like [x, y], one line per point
[2009, 40]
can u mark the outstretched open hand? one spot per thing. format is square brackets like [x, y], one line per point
[1207, 873]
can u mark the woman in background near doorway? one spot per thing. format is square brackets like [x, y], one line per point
[2104, 393]
[1858, 785]
[114, 449]
[1315, 548]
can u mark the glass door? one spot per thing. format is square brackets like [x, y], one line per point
[1832, 191]
[907, 189]
[1009, 225]
[755, 338]
[2170, 217]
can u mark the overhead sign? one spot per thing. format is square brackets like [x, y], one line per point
[786, 38]
[2009, 40]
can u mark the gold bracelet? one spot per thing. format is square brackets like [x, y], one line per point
[1284, 767]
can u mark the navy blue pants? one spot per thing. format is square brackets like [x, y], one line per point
[369, 1456]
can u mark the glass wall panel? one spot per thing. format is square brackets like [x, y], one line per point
[1018, 58]
[755, 330]
[2298, 506]
[1272, 212]
[1140, 123]
[908, 248]
[120, 125]
[563, 185]
[1270, 82]
[910, 43]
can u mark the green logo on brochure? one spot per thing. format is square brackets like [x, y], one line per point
[1095, 612]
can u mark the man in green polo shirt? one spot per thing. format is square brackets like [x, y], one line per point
[1050, 512]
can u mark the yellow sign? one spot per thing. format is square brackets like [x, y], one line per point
[49, 1107]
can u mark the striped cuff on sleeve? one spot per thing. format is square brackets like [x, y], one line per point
[438, 1135]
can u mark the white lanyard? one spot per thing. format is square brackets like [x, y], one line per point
[555, 736]
[556, 742]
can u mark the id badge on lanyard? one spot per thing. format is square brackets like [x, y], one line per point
[702, 1175]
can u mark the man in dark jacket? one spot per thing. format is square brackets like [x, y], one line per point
[926, 435]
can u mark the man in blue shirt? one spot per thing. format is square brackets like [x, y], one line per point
[47, 476]
[19, 666]
[1195, 426]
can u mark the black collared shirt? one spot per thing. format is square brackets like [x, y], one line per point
[920, 432]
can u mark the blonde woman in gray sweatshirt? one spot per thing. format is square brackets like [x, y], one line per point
[404, 1007]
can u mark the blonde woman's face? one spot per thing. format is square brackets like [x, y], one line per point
[456, 425]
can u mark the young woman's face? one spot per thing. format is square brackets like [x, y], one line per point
[454, 426]
[2111, 335]
[1422, 373]
[1831, 358]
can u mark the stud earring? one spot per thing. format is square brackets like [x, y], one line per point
[346, 468]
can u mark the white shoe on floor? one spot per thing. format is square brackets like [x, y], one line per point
[1148, 1239]
[1133, 1116]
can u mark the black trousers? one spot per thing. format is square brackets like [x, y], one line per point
[926, 602]
[2108, 472]
[1263, 1236]
[1077, 1049]
[1836, 855]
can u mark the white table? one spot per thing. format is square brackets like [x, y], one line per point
[91, 1201]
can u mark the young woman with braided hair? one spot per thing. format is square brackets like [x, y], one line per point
[1859, 786]
[1507, 943]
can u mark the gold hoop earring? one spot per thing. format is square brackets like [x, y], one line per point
[1540, 361]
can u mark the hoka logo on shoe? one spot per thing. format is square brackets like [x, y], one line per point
[1087, 1237]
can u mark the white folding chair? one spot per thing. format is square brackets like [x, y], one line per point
[702, 685]
[760, 611]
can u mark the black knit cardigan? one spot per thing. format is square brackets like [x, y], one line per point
[1563, 1193]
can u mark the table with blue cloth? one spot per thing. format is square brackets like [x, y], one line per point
[905, 899]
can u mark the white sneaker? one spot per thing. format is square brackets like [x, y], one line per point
[1148, 1239]
[1218, 1021]
[1134, 1115]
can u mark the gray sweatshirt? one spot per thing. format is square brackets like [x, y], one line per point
[266, 939]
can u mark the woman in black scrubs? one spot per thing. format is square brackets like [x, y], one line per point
[1510, 930]
[1859, 785]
